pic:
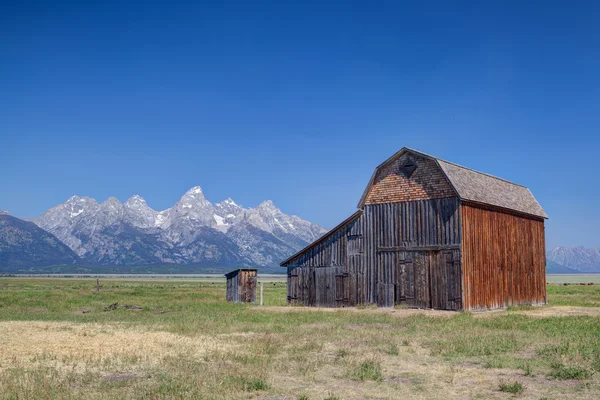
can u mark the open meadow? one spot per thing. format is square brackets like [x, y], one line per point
[180, 339]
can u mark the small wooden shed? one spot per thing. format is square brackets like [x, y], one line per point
[428, 233]
[241, 285]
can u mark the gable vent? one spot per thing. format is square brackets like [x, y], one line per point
[408, 167]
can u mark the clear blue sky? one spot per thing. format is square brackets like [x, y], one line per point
[297, 103]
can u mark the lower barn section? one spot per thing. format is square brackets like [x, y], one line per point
[417, 279]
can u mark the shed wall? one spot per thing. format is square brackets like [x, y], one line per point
[504, 261]
[241, 287]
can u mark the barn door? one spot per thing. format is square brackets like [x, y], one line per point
[438, 278]
[451, 263]
[342, 289]
[404, 291]
[421, 274]
[325, 286]
[293, 285]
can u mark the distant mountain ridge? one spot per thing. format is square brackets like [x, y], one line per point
[24, 245]
[580, 259]
[192, 232]
[554, 268]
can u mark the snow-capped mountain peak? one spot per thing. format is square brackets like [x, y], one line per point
[135, 201]
[267, 205]
[195, 192]
[112, 202]
[192, 231]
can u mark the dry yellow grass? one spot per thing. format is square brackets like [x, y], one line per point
[68, 345]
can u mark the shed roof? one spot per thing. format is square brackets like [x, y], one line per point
[237, 271]
[477, 187]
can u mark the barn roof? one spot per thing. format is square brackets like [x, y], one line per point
[477, 187]
[325, 236]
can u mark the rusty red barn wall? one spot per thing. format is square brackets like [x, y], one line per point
[503, 258]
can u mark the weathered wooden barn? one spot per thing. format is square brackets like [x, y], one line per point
[241, 285]
[429, 234]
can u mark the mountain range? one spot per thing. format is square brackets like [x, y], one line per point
[192, 232]
[577, 259]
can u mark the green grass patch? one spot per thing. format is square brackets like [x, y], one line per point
[369, 370]
[514, 388]
[565, 372]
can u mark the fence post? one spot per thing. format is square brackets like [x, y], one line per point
[97, 285]
[261, 293]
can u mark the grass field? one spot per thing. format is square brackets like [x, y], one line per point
[56, 341]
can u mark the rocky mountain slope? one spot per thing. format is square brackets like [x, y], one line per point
[554, 268]
[193, 231]
[579, 258]
[24, 244]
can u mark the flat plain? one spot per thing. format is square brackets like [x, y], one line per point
[181, 339]
[574, 278]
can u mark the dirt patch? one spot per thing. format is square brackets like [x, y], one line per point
[537, 312]
[398, 380]
[384, 311]
[124, 376]
[317, 325]
[469, 365]
[561, 311]
[527, 353]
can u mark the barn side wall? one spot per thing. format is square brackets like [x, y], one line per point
[503, 257]
[318, 276]
[388, 255]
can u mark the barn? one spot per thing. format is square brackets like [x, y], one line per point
[428, 233]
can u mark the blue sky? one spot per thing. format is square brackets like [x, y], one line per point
[297, 102]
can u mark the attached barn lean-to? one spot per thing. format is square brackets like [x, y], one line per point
[428, 233]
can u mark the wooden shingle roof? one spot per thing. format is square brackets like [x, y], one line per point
[477, 187]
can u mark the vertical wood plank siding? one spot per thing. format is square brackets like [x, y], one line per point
[241, 286]
[385, 256]
[504, 259]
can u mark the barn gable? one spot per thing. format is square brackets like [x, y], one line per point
[407, 176]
